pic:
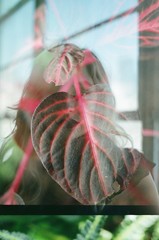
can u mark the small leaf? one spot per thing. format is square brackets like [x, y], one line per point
[66, 58]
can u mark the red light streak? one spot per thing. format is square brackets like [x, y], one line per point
[28, 104]
[146, 24]
[150, 133]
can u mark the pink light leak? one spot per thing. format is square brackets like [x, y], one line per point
[40, 20]
[39, 27]
[120, 31]
[28, 104]
[150, 133]
[8, 197]
[35, 44]
[146, 24]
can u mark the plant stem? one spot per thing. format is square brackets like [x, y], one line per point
[25, 160]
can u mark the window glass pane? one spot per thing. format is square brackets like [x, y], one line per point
[16, 40]
[115, 43]
[134, 130]
[65, 19]
[5, 6]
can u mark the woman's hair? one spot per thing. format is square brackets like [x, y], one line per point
[53, 72]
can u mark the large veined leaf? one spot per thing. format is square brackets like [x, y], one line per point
[75, 140]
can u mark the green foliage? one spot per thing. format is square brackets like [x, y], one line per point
[91, 229]
[155, 233]
[135, 226]
[5, 235]
[43, 227]
[10, 157]
[64, 227]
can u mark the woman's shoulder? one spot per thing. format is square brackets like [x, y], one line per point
[141, 189]
[144, 193]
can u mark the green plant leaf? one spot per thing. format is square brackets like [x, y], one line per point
[6, 235]
[135, 229]
[91, 229]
